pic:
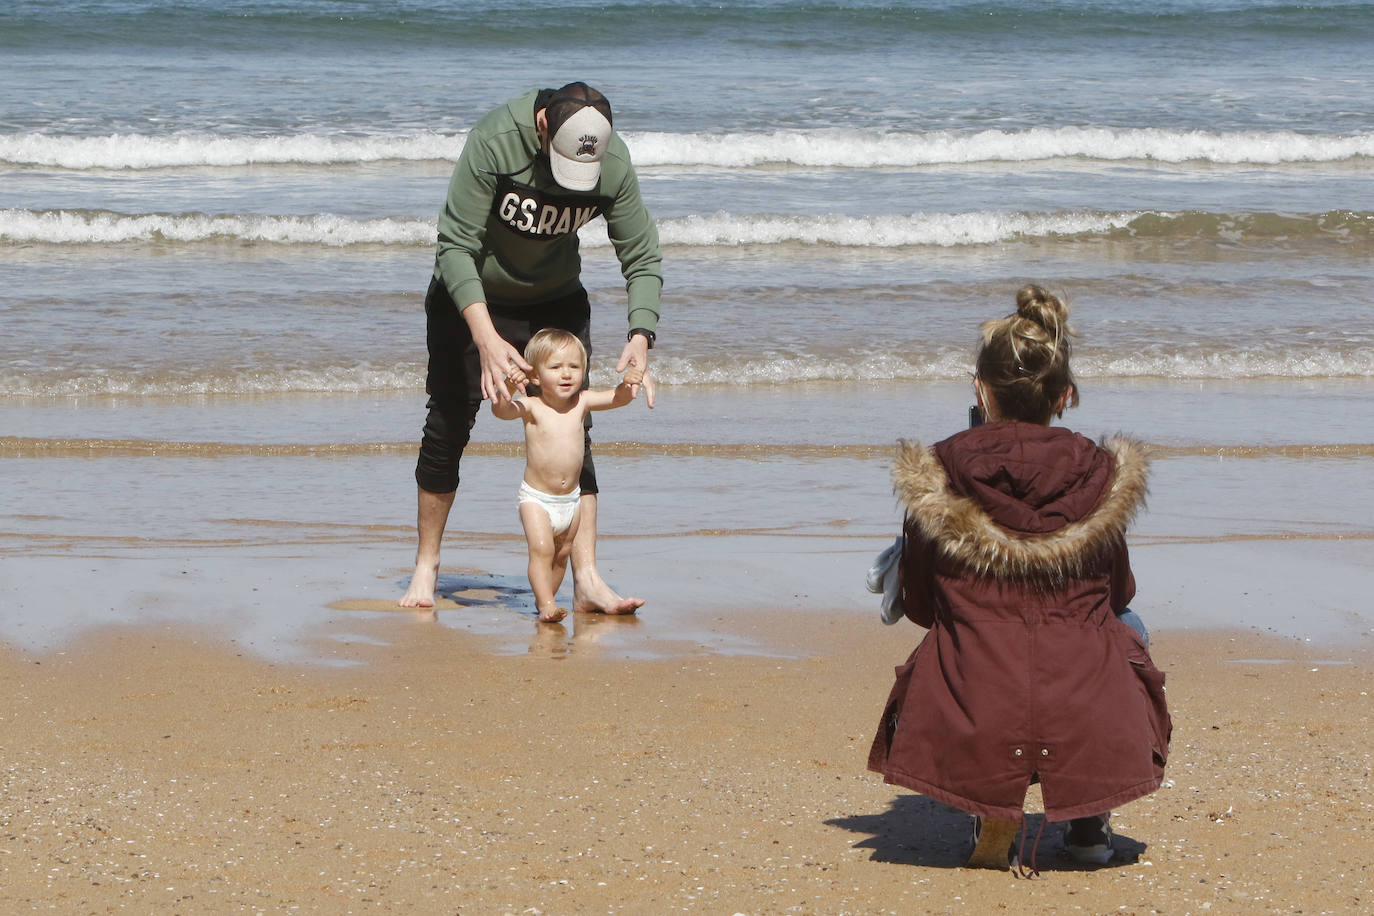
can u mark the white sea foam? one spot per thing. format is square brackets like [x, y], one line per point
[718, 229]
[954, 365]
[139, 151]
[825, 148]
[951, 364]
[849, 149]
[1316, 363]
[941, 229]
[81, 228]
[334, 379]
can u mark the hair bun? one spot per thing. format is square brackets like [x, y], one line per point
[1043, 307]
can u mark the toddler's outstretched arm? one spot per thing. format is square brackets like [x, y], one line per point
[508, 408]
[619, 396]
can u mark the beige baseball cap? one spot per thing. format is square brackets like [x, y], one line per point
[579, 121]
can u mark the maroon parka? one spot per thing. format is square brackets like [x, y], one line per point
[1016, 560]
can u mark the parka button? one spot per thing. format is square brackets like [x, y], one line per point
[1044, 752]
[1018, 752]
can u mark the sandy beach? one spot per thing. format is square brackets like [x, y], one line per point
[150, 769]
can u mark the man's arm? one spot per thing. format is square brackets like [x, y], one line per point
[462, 232]
[635, 237]
[504, 369]
[463, 221]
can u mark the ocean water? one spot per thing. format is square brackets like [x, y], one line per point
[216, 228]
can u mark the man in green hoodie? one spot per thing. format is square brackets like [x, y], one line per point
[531, 173]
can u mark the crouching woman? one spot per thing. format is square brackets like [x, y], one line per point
[1015, 559]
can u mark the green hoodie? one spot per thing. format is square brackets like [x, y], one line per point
[508, 231]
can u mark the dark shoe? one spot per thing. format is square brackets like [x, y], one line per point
[1089, 840]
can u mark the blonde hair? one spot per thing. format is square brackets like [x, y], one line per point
[1023, 361]
[549, 341]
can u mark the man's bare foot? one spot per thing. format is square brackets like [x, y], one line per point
[422, 582]
[598, 598]
[552, 614]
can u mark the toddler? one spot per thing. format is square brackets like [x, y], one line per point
[549, 494]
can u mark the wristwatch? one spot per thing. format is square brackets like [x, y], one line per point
[650, 336]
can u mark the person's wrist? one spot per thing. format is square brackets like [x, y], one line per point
[649, 336]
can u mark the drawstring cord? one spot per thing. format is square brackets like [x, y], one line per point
[1021, 870]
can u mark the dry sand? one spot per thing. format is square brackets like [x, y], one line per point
[151, 771]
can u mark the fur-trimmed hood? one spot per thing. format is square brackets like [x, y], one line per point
[1086, 496]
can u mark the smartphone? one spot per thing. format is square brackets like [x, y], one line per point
[975, 416]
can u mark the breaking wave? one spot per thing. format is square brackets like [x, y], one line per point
[825, 148]
[721, 229]
[949, 365]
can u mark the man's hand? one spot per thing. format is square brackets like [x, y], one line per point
[504, 369]
[636, 354]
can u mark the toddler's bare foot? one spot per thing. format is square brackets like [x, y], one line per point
[422, 582]
[552, 614]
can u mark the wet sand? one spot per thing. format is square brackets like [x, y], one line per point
[156, 769]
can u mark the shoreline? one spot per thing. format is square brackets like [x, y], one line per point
[162, 769]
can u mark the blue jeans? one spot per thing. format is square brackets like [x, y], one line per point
[1131, 619]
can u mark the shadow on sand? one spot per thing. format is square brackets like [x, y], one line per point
[917, 830]
[485, 591]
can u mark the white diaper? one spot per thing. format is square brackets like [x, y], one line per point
[561, 509]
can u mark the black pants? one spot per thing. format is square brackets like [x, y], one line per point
[454, 380]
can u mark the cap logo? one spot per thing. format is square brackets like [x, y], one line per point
[587, 145]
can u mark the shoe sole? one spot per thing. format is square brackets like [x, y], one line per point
[1090, 855]
[994, 844]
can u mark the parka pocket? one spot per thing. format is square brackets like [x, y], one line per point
[1152, 680]
[892, 712]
